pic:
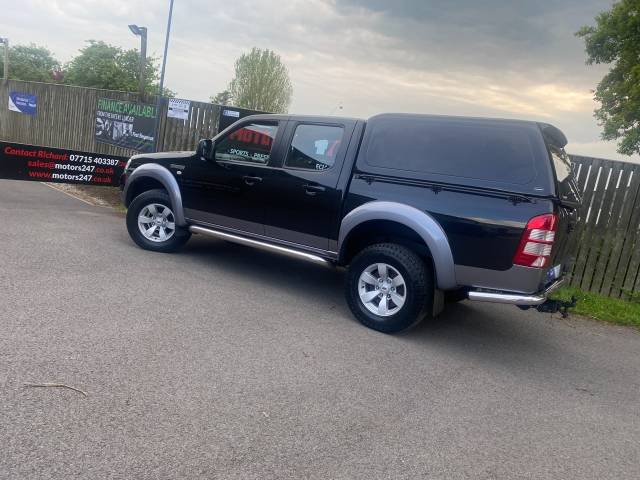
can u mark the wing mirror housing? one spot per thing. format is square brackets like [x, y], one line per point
[205, 149]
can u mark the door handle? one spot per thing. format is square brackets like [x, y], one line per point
[313, 189]
[249, 180]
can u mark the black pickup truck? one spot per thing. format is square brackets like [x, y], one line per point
[418, 208]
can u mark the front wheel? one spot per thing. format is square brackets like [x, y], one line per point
[152, 223]
[389, 287]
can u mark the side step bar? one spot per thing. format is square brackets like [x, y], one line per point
[514, 298]
[250, 242]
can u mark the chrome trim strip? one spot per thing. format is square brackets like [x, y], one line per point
[514, 298]
[328, 254]
[261, 245]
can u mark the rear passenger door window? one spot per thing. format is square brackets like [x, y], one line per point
[314, 147]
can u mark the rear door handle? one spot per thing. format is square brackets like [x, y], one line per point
[313, 189]
[249, 180]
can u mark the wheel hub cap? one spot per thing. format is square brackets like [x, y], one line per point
[157, 222]
[382, 289]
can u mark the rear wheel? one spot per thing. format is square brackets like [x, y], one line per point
[389, 287]
[151, 223]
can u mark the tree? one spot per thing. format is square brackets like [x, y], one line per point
[222, 98]
[100, 65]
[616, 40]
[31, 63]
[261, 82]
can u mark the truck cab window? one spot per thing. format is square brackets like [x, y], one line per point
[314, 147]
[249, 144]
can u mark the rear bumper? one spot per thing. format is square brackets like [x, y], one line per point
[511, 298]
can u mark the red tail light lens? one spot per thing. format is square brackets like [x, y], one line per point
[537, 242]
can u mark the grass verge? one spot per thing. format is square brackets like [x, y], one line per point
[613, 310]
[95, 195]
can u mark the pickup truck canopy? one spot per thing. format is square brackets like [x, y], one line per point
[506, 155]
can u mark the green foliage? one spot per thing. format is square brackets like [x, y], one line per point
[100, 65]
[261, 82]
[633, 297]
[616, 40]
[30, 63]
[596, 306]
[222, 98]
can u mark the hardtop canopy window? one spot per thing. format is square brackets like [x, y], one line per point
[490, 151]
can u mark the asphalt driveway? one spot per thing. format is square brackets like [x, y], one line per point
[226, 362]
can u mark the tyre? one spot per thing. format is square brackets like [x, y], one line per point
[152, 224]
[389, 287]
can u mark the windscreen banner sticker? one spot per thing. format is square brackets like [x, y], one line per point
[126, 124]
[230, 115]
[23, 103]
[57, 165]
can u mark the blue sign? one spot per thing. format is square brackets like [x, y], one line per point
[23, 103]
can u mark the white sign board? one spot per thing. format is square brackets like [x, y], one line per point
[178, 108]
[231, 113]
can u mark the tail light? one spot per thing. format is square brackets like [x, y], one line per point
[537, 242]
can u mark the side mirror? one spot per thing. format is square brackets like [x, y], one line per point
[205, 149]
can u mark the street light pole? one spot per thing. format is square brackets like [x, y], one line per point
[161, 87]
[143, 58]
[142, 33]
[5, 42]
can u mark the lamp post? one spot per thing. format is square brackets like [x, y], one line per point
[5, 41]
[142, 33]
[161, 87]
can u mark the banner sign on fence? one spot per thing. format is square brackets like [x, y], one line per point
[178, 109]
[126, 124]
[230, 115]
[45, 164]
[23, 103]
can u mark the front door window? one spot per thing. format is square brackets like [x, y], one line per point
[250, 144]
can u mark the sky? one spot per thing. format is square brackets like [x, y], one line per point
[488, 58]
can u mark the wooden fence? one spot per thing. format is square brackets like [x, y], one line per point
[606, 244]
[66, 119]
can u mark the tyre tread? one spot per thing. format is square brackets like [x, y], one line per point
[420, 277]
[179, 238]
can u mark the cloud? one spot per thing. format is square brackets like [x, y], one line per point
[599, 149]
[496, 58]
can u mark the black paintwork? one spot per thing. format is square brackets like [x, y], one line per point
[483, 221]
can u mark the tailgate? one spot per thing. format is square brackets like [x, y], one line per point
[562, 257]
[567, 203]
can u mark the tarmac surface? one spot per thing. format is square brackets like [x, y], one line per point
[232, 363]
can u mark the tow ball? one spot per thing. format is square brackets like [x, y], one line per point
[555, 306]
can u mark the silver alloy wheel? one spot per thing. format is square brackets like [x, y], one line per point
[157, 222]
[382, 289]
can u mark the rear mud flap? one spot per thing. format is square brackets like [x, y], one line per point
[438, 302]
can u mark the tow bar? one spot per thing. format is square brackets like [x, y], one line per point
[555, 306]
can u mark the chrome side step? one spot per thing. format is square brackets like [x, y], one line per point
[514, 298]
[250, 242]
